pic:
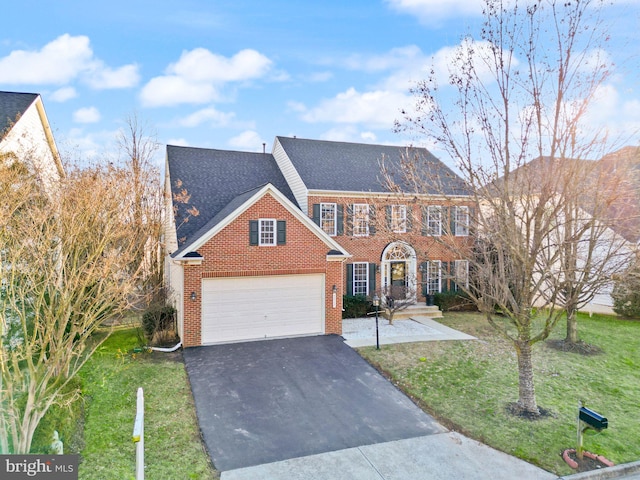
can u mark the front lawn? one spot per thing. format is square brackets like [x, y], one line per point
[173, 449]
[467, 385]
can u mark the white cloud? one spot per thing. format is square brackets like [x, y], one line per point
[209, 115]
[173, 90]
[199, 74]
[393, 59]
[180, 142]
[61, 61]
[103, 77]
[89, 145]
[63, 94]
[377, 109]
[431, 12]
[247, 140]
[86, 115]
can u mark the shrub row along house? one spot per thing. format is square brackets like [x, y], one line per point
[264, 245]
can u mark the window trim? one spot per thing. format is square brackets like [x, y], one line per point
[436, 264]
[261, 231]
[335, 218]
[403, 219]
[366, 219]
[462, 230]
[430, 230]
[364, 265]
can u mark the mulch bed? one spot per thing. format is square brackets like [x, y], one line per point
[516, 410]
[581, 348]
[590, 461]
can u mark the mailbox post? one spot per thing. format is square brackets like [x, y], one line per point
[590, 420]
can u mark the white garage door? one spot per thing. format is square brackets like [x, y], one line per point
[251, 308]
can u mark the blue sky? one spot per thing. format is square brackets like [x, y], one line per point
[234, 74]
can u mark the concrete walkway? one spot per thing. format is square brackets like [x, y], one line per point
[361, 332]
[434, 457]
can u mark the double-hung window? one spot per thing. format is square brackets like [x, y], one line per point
[461, 221]
[398, 218]
[266, 231]
[328, 221]
[434, 220]
[360, 278]
[360, 220]
[434, 277]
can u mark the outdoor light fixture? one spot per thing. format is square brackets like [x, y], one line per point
[376, 303]
[194, 296]
[335, 295]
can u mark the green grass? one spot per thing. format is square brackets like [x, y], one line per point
[467, 385]
[173, 448]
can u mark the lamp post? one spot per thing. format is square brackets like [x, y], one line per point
[376, 303]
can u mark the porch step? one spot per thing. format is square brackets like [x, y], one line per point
[415, 310]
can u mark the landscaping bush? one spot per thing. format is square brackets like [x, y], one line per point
[158, 319]
[626, 292]
[454, 301]
[355, 306]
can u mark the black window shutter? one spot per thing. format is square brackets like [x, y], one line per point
[445, 276]
[425, 220]
[388, 208]
[282, 232]
[472, 221]
[452, 220]
[372, 278]
[339, 219]
[253, 232]
[372, 220]
[349, 278]
[316, 214]
[424, 276]
[350, 219]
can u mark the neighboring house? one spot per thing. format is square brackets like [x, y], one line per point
[265, 245]
[606, 244]
[25, 132]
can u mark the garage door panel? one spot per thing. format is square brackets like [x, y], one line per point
[249, 308]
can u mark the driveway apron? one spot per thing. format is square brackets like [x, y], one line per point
[273, 400]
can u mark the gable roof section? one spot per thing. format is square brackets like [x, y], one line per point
[12, 106]
[241, 203]
[625, 210]
[216, 182]
[357, 167]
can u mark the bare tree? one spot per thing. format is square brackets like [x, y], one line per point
[518, 92]
[144, 204]
[65, 266]
[591, 251]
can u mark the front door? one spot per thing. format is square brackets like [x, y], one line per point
[398, 274]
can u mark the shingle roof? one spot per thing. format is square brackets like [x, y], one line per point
[12, 105]
[356, 167]
[217, 182]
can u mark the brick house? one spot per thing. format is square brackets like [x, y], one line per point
[265, 245]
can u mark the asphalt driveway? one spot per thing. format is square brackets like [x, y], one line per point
[262, 402]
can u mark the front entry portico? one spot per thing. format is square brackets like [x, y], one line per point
[398, 271]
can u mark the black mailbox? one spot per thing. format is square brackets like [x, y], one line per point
[593, 419]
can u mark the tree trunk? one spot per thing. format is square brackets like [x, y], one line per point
[572, 326]
[526, 387]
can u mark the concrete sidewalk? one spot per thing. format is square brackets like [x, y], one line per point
[434, 457]
[361, 332]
